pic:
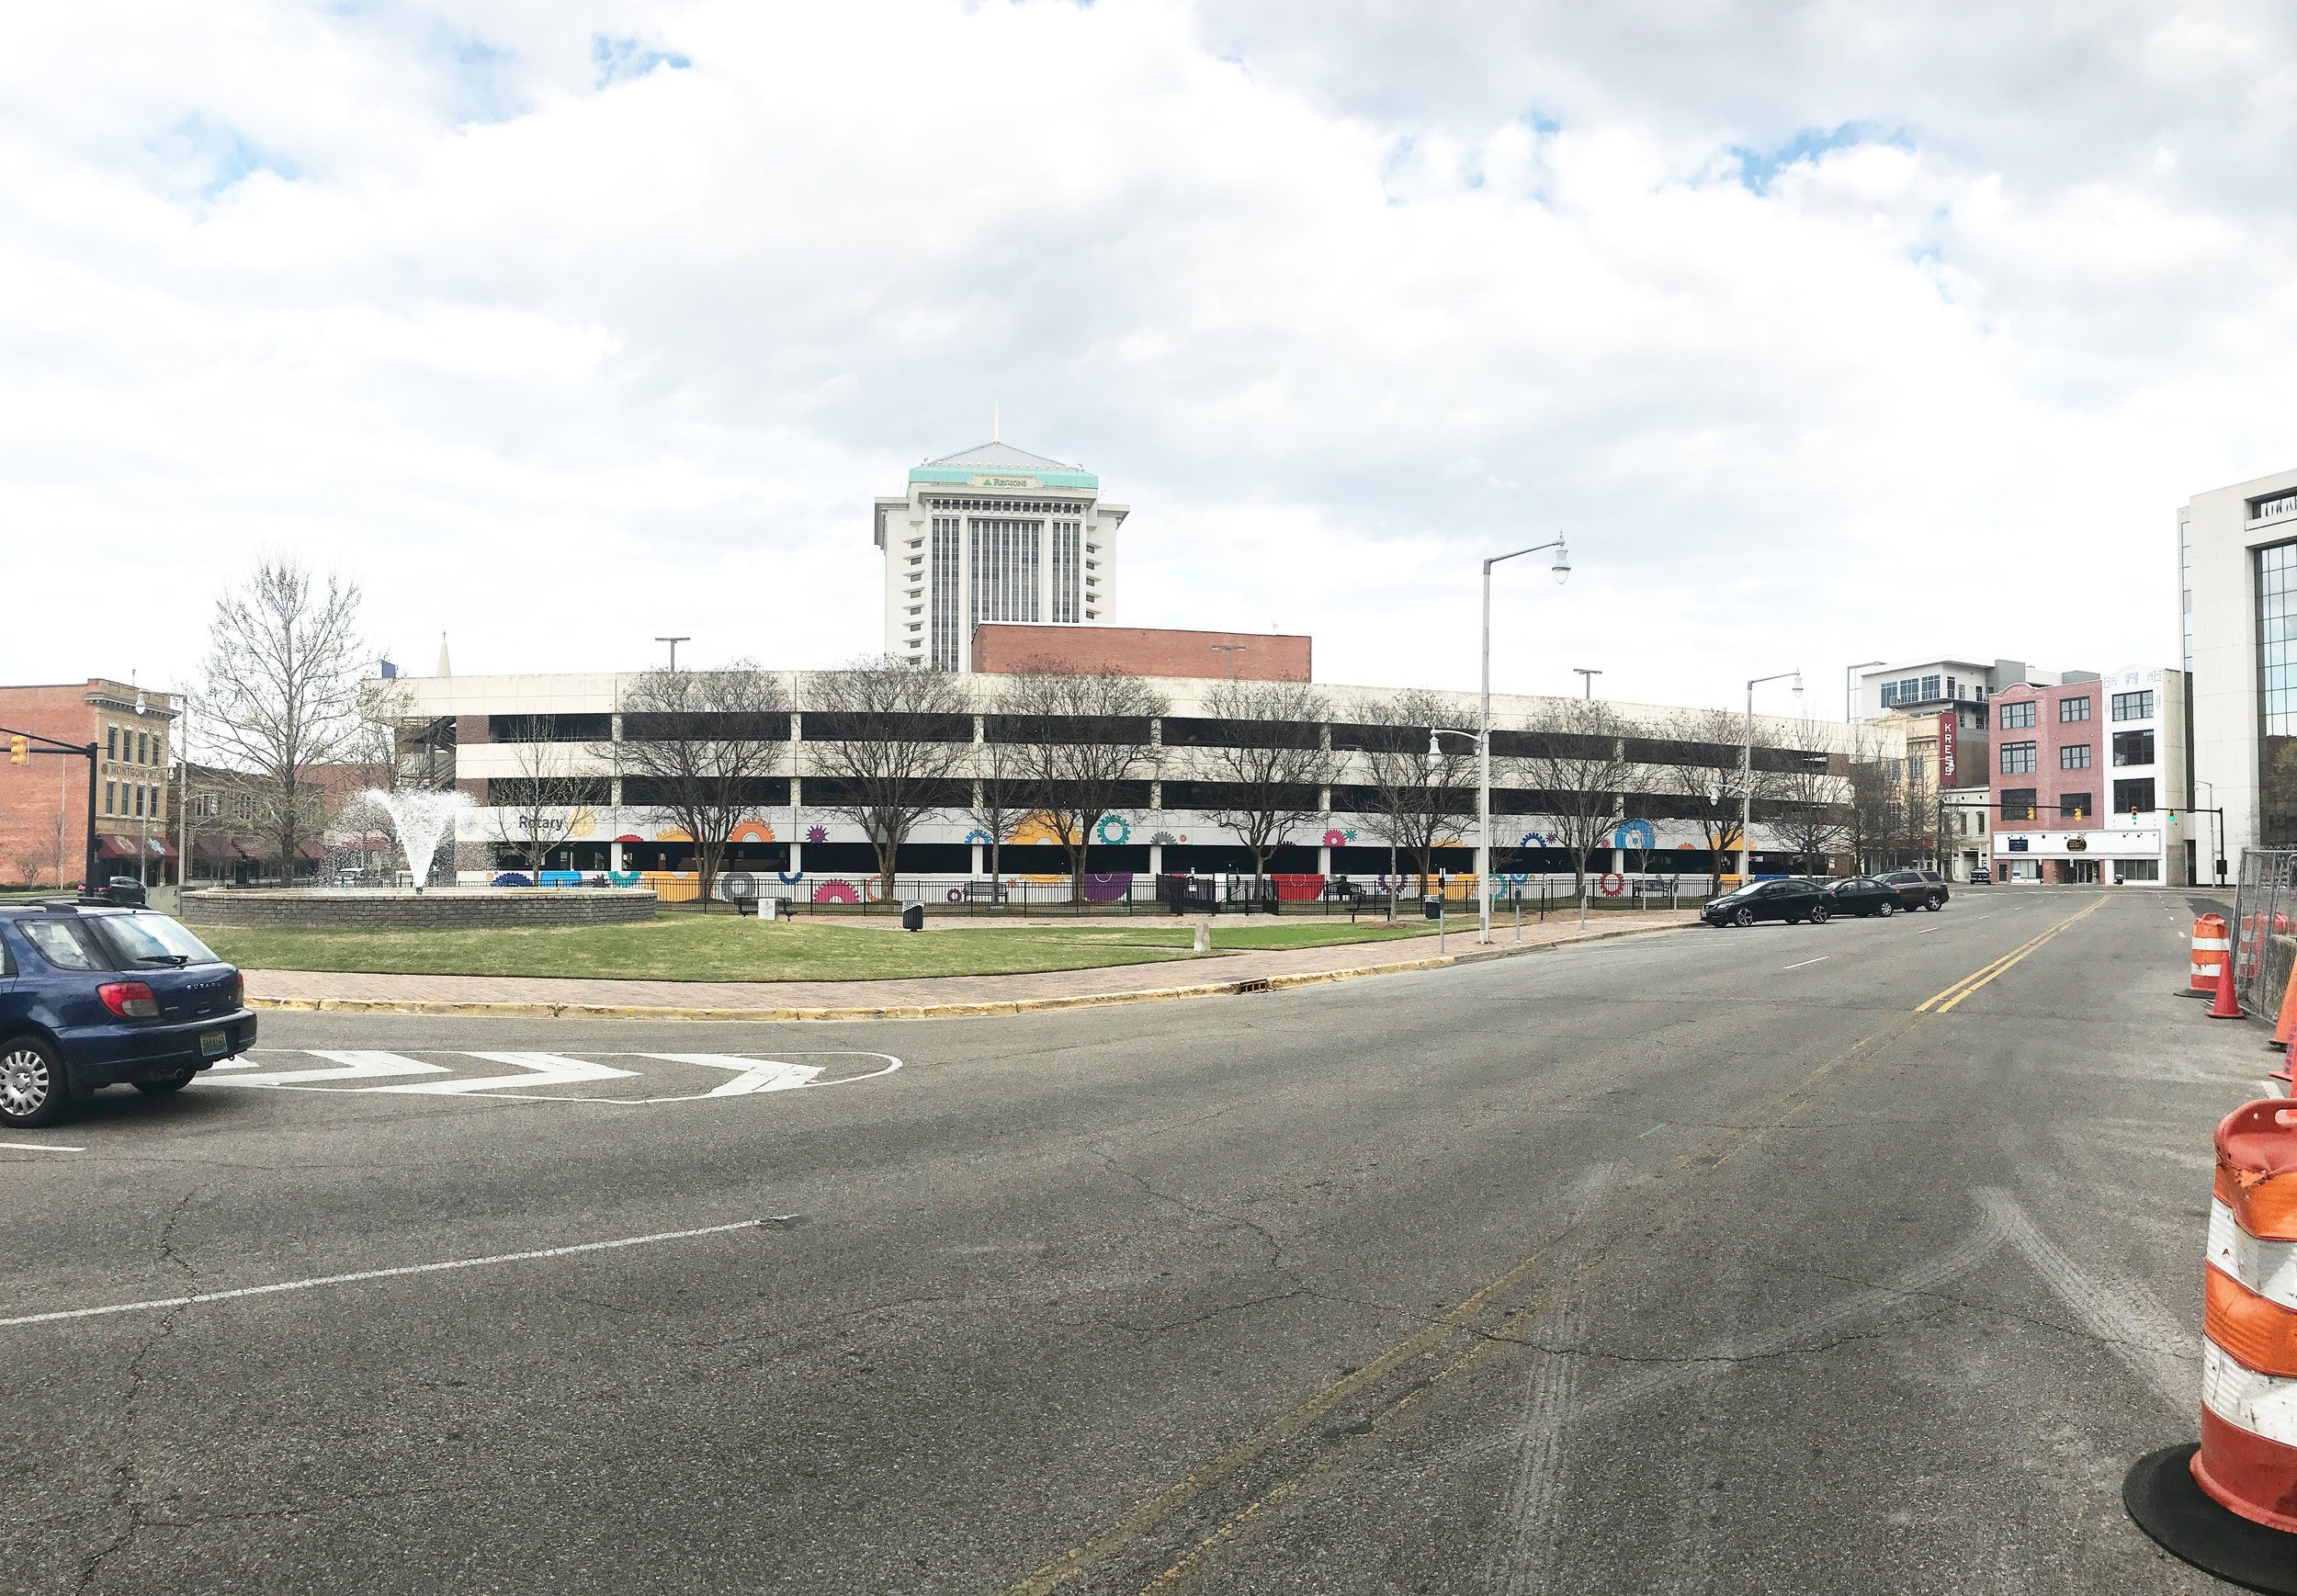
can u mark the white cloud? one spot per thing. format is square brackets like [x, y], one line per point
[1825, 332]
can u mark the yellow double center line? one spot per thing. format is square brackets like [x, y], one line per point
[1945, 1001]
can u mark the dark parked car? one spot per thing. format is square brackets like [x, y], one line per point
[1862, 896]
[1918, 888]
[1787, 898]
[93, 997]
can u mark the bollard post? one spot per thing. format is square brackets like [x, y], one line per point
[1519, 915]
[1439, 923]
[1204, 936]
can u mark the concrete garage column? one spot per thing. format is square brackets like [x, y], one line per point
[1156, 858]
[1323, 861]
[976, 858]
[614, 858]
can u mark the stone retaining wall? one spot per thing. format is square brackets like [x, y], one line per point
[436, 910]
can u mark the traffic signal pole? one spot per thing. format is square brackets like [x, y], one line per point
[22, 745]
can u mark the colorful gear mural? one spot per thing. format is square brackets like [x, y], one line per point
[835, 892]
[1124, 831]
[1640, 828]
[817, 833]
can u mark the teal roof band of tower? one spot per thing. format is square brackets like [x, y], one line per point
[1000, 465]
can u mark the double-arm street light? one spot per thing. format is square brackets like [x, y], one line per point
[1747, 764]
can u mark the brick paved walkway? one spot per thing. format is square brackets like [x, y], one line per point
[306, 986]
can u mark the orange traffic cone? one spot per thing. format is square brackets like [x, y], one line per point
[2225, 1504]
[2227, 1006]
[2285, 1029]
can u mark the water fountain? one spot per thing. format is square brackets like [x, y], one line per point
[422, 819]
[419, 818]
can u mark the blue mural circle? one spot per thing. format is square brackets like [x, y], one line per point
[1635, 828]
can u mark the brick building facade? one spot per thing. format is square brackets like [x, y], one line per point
[2089, 780]
[43, 805]
[1000, 648]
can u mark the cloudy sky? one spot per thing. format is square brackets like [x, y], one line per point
[1823, 332]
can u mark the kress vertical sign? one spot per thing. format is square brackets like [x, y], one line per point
[1946, 748]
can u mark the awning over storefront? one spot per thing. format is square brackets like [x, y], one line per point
[116, 847]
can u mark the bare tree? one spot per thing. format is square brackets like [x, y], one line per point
[1702, 756]
[1088, 744]
[1576, 763]
[31, 860]
[1001, 788]
[1807, 809]
[888, 744]
[281, 694]
[1419, 794]
[1868, 818]
[1269, 762]
[535, 807]
[698, 746]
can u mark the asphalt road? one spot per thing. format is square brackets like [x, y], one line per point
[1678, 1263]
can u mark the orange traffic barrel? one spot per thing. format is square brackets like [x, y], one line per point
[2209, 948]
[2229, 1503]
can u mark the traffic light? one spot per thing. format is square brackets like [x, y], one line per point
[19, 750]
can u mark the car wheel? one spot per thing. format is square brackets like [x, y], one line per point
[1936, 903]
[1744, 918]
[167, 1083]
[1886, 909]
[32, 1084]
[1818, 915]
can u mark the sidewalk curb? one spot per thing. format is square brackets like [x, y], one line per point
[926, 1010]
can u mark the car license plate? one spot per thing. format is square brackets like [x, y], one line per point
[212, 1044]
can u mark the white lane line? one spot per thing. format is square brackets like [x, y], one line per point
[357, 1064]
[40, 1147]
[318, 1281]
[1822, 958]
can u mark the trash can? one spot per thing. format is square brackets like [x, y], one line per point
[1433, 908]
[912, 917]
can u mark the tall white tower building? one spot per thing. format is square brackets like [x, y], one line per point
[992, 533]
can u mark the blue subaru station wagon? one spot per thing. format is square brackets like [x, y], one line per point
[96, 997]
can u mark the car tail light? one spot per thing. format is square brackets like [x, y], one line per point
[129, 1000]
[237, 998]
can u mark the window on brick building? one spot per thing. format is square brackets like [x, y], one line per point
[2074, 806]
[2074, 756]
[2073, 708]
[2018, 803]
[111, 742]
[2017, 716]
[2017, 758]
[109, 788]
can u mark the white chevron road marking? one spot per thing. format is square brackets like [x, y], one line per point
[353, 1065]
[536, 1069]
[756, 1074]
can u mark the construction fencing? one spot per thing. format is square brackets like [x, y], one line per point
[2263, 930]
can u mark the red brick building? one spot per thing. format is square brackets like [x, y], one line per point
[43, 805]
[1000, 648]
[2089, 780]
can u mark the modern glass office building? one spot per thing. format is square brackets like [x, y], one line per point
[2238, 615]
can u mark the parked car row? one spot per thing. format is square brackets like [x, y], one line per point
[1795, 898]
[93, 996]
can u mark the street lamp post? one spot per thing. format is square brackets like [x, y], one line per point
[1847, 688]
[1587, 679]
[1747, 765]
[1562, 569]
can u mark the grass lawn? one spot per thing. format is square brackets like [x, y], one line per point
[694, 948]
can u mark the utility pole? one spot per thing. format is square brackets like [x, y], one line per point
[1587, 679]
